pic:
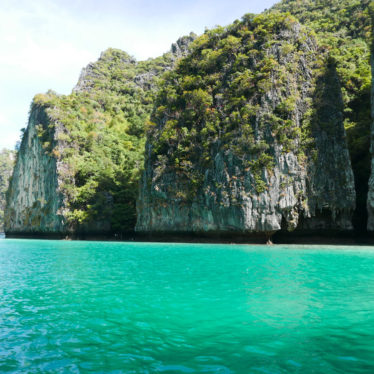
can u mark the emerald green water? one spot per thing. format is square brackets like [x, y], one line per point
[82, 307]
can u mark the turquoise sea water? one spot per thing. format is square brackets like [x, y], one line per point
[99, 307]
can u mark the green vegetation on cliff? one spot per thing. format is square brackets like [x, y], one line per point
[216, 99]
[248, 135]
[343, 29]
[258, 89]
[99, 135]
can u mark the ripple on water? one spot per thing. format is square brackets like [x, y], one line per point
[145, 308]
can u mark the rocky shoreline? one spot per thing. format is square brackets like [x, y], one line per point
[299, 237]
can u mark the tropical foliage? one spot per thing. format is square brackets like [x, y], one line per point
[99, 135]
[343, 28]
[204, 104]
[213, 100]
[221, 98]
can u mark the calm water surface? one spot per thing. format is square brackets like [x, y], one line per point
[82, 307]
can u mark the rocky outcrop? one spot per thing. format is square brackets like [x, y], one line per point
[283, 166]
[93, 72]
[33, 201]
[332, 194]
[180, 48]
[139, 73]
[76, 170]
[7, 158]
[246, 137]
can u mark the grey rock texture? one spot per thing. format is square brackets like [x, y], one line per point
[33, 202]
[145, 71]
[314, 191]
[92, 71]
[180, 48]
[37, 200]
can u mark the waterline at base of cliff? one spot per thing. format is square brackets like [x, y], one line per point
[224, 237]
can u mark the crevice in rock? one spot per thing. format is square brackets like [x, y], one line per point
[359, 149]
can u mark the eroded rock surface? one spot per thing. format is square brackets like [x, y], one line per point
[283, 166]
[77, 168]
[34, 201]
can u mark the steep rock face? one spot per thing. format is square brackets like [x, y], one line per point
[77, 170]
[33, 200]
[7, 158]
[248, 137]
[344, 27]
[330, 173]
[94, 72]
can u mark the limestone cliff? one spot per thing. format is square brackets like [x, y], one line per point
[245, 135]
[344, 27]
[34, 202]
[139, 73]
[7, 158]
[248, 137]
[77, 169]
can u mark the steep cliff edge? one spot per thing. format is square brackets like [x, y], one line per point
[343, 27]
[78, 167]
[7, 158]
[33, 200]
[248, 136]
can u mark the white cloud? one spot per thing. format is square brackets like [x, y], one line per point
[47, 61]
[32, 41]
[8, 137]
[37, 54]
[45, 43]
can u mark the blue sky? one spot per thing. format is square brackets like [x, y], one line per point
[45, 43]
